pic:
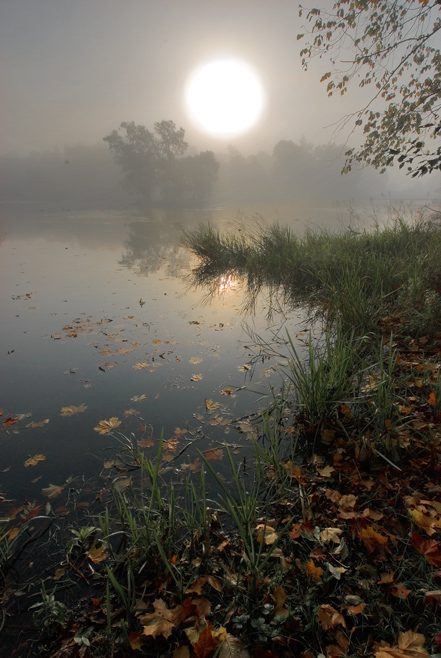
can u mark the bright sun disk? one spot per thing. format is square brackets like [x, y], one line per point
[225, 97]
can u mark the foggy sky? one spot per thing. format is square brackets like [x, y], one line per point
[73, 70]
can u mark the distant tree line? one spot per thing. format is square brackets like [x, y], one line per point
[158, 171]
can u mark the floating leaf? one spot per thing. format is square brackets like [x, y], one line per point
[40, 423]
[244, 368]
[213, 454]
[146, 443]
[195, 360]
[196, 378]
[33, 461]
[131, 412]
[226, 391]
[210, 405]
[8, 422]
[70, 411]
[52, 491]
[138, 398]
[106, 426]
[140, 366]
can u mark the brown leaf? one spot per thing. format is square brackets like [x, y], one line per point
[135, 639]
[400, 591]
[217, 453]
[40, 423]
[266, 532]
[70, 411]
[197, 585]
[280, 597]
[181, 652]
[59, 574]
[8, 422]
[329, 617]
[106, 426]
[146, 443]
[410, 645]
[314, 572]
[97, 555]
[33, 461]
[52, 491]
[210, 405]
[428, 548]
[386, 578]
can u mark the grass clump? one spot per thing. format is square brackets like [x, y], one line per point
[355, 277]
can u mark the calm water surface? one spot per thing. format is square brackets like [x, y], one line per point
[97, 310]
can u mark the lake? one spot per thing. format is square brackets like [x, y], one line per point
[100, 321]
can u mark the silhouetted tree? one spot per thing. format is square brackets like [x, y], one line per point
[153, 169]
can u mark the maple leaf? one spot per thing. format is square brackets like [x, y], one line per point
[52, 491]
[162, 619]
[428, 548]
[372, 539]
[33, 461]
[70, 411]
[231, 647]
[98, 554]
[410, 645]
[326, 472]
[210, 405]
[171, 444]
[314, 572]
[106, 426]
[329, 617]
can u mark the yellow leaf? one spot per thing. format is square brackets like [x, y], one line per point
[326, 472]
[33, 461]
[40, 423]
[196, 378]
[98, 554]
[140, 366]
[70, 411]
[210, 405]
[331, 534]
[52, 491]
[195, 360]
[267, 533]
[106, 426]
[314, 572]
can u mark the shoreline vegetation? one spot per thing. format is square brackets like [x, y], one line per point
[330, 543]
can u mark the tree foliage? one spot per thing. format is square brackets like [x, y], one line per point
[152, 166]
[391, 45]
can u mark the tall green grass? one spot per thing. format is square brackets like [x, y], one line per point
[353, 276]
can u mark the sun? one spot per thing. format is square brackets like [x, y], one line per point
[224, 97]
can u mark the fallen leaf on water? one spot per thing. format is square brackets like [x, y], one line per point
[131, 412]
[33, 461]
[196, 378]
[226, 391]
[171, 444]
[106, 426]
[195, 360]
[146, 443]
[140, 366]
[70, 411]
[138, 398]
[244, 368]
[217, 453]
[40, 423]
[10, 421]
[52, 491]
[210, 405]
